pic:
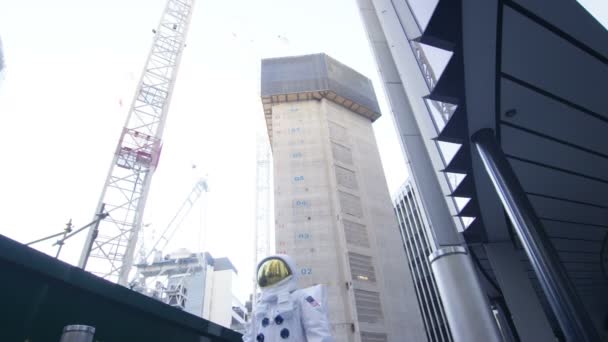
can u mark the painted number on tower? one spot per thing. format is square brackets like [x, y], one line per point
[303, 236]
[301, 203]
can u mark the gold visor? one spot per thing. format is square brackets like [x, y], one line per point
[272, 271]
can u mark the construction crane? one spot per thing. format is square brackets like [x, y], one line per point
[167, 234]
[263, 225]
[110, 245]
[148, 269]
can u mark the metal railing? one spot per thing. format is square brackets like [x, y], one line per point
[445, 109]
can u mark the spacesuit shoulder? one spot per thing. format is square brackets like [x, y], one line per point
[316, 293]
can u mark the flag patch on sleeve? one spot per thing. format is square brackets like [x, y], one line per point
[312, 301]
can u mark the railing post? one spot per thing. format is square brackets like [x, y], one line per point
[77, 333]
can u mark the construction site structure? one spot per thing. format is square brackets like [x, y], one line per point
[110, 245]
[159, 245]
[196, 283]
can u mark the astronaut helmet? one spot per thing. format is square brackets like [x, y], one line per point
[274, 270]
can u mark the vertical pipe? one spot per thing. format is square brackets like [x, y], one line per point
[66, 231]
[560, 293]
[466, 305]
[86, 252]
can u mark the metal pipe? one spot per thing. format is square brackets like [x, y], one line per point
[67, 230]
[89, 244]
[44, 239]
[465, 302]
[559, 291]
[95, 222]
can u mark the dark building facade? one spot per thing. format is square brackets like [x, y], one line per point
[523, 97]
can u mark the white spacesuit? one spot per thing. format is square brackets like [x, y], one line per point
[282, 312]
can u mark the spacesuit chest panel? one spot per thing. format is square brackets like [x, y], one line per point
[261, 310]
[278, 320]
[285, 306]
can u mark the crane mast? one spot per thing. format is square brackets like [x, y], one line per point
[262, 239]
[110, 246]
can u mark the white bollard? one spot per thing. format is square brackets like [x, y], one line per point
[77, 333]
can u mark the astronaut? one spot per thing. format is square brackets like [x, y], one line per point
[282, 312]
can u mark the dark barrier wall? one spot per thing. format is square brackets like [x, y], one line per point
[40, 295]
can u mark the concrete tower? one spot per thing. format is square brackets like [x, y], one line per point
[332, 207]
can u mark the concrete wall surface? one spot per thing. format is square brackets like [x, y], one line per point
[334, 216]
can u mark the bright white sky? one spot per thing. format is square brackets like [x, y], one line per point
[71, 62]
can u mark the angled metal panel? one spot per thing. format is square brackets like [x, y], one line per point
[471, 209]
[571, 245]
[574, 231]
[475, 233]
[545, 60]
[460, 163]
[550, 182]
[566, 211]
[450, 86]
[590, 258]
[521, 144]
[525, 108]
[465, 188]
[443, 29]
[455, 130]
[569, 18]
